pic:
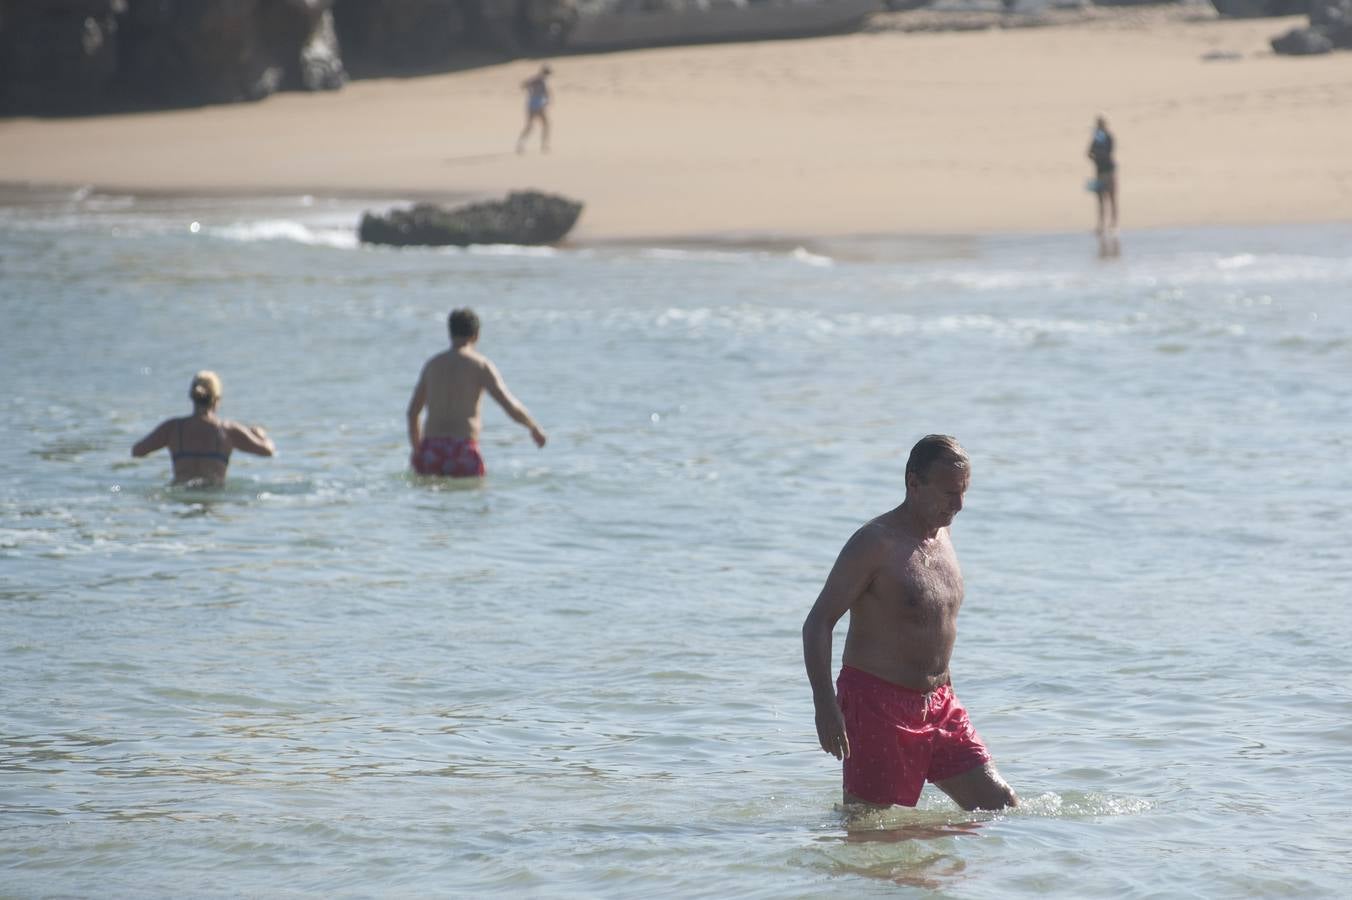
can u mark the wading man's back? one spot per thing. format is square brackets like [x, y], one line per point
[451, 388]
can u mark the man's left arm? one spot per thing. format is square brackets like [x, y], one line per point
[498, 391]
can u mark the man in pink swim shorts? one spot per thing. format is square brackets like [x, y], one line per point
[450, 387]
[892, 717]
[452, 457]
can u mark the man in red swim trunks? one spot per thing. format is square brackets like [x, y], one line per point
[892, 716]
[451, 385]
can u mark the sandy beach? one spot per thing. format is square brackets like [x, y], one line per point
[893, 130]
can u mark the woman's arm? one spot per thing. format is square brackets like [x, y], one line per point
[250, 438]
[153, 441]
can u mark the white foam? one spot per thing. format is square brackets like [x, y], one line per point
[717, 255]
[286, 230]
[508, 250]
[1080, 804]
[803, 255]
[674, 255]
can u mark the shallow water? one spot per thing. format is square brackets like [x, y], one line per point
[583, 678]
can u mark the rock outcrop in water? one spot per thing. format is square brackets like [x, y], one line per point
[525, 217]
[1330, 28]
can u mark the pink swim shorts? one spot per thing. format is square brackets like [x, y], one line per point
[900, 738]
[456, 457]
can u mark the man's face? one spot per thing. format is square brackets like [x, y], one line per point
[937, 496]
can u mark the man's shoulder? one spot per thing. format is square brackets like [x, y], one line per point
[460, 364]
[456, 359]
[437, 358]
[885, 531]
[871, 537]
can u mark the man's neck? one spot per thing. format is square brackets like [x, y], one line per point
[906, 516]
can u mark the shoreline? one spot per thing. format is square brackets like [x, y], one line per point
[882, 132]
[857, 246]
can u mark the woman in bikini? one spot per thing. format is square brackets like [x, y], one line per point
[537, 102]
[200, 444]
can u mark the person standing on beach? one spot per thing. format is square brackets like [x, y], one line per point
[200, 444]
[892, 717]
[451, 385]
[537, 104]
[1105, 173]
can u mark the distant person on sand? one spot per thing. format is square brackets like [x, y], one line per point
[537, 104]
[892, 716]
[1105, 173]
[451, 385]
[200, 444]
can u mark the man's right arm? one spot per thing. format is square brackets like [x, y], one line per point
[415, 408]
[849, 578]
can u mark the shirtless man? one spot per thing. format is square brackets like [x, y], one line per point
[893, 717]
[200, 444]
[451, 385]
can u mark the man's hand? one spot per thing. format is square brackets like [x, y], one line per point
[537, 435]
[831, 729]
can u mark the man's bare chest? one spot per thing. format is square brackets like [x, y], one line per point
[920, 585]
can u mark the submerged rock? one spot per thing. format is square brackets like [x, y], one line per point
[525, 217]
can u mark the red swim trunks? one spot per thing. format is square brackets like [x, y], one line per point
[901, 738]
[456, 457]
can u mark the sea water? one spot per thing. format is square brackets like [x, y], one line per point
[583, 677]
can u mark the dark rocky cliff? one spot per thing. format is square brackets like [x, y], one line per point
[87, 56]
[77, 56]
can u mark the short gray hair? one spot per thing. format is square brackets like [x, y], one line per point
[933, 448]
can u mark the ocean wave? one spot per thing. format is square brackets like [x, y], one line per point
[507, 250]
[1241, 269]
[1236, 262]
[812, 324]
[734, 255]
[286, 230]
